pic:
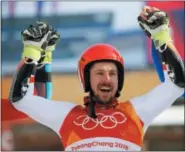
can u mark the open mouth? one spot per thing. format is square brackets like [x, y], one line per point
[105, 89]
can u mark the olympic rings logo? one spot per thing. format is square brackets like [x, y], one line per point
[88, 123]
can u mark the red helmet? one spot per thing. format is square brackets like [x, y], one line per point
[95, 53]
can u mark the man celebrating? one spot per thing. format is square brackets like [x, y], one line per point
[103, 123]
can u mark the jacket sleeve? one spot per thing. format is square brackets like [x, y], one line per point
[22, 96]
[151, 104]
[47, 112]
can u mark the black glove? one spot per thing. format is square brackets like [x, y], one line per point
[155, 24]
[39, 39]
[38, 31]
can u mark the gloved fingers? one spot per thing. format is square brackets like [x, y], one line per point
[156, 16]
[143, 16]
[146, 10]
[54, 38]
[155, 9]
[32, 31]
[46, 39]
[42, 25]
[36, 31]
[26, 32]
[159, 14]
[142, 20]
[150, 14]
[42, 33]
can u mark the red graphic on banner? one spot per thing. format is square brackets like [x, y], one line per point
[9, 117]
[9, 112]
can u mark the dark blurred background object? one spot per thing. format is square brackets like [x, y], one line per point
[35, 137]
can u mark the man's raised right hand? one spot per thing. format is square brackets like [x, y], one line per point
[38, 39]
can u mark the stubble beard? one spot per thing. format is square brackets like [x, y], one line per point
[98, 99]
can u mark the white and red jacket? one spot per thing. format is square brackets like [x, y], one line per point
[117, 128]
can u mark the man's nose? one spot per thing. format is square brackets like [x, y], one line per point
[107, 77]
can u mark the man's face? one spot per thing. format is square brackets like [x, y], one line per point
[104, 80]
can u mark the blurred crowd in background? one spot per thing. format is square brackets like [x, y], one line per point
[80, 25]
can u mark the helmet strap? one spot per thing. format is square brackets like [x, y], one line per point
[92, 104]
